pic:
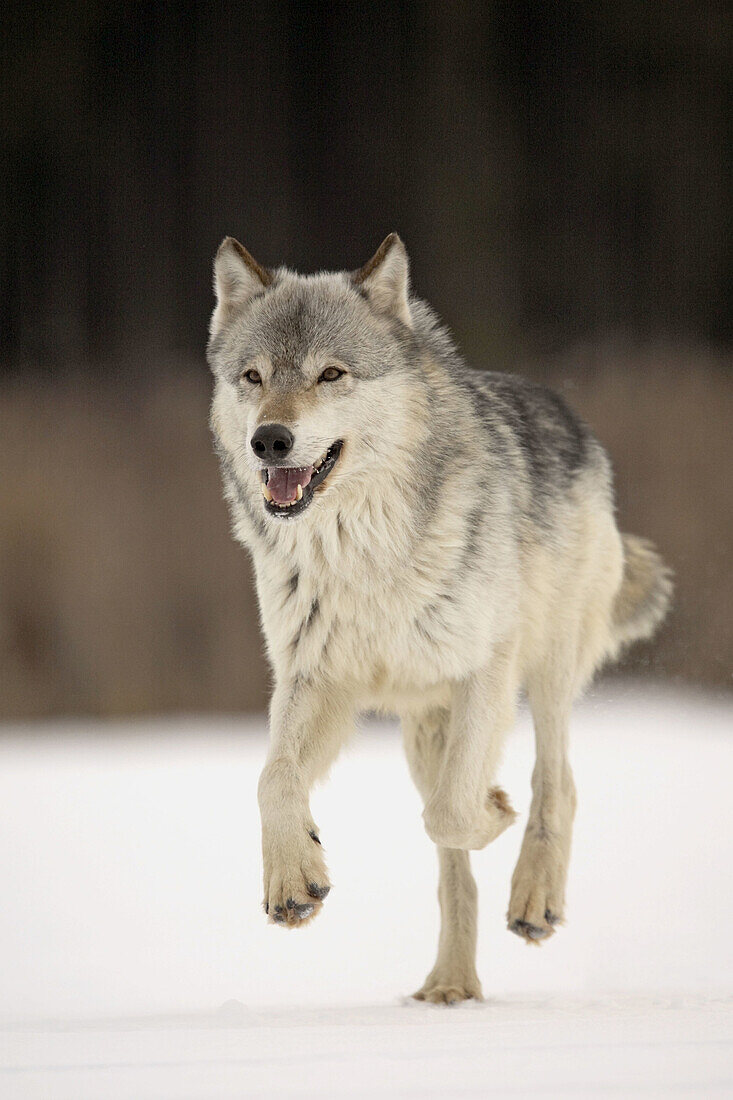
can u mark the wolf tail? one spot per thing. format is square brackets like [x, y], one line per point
[645, 594]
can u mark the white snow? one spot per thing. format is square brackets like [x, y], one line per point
[135, 961]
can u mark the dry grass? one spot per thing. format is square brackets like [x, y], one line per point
[665, 418]
[121, 590]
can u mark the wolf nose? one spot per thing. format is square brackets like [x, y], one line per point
[271, 442]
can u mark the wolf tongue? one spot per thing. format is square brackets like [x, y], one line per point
[283, 481]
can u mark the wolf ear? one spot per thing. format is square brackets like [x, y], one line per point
[237, 277]
[386, 279]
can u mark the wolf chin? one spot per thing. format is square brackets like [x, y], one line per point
[427, 540]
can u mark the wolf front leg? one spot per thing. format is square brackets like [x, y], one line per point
[308, 723]
[453, 978]
[465, 810]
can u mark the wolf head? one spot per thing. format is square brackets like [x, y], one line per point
[312, 373]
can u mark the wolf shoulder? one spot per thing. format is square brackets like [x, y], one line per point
[534, 424]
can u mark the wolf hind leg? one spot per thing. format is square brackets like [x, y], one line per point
[537, 901]
[453, 978]
[464, 809]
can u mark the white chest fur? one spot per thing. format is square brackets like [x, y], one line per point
[390, 613]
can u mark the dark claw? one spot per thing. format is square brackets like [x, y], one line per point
[313, 836]
[530, 931]
[550, 917]
[301, 909]
[267, 908]
[319, 892]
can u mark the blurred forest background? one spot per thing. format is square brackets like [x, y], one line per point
[560, 173]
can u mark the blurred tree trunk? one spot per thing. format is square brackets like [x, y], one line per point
[559, 172]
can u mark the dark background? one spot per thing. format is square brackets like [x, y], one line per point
[561, 176]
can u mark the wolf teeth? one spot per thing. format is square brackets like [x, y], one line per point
[266, 492]
[299, 493]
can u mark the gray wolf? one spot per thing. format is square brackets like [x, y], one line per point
[427, 540]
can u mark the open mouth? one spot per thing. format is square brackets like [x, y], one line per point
[288, 490]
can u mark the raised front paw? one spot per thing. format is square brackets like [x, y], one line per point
[449, 829]
[295, 878]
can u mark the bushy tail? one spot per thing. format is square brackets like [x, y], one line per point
[645, 594]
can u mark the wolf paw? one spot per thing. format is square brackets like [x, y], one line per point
[449, 991]
[536, 904]
[533, 933]
[296, 882]
[448, 829]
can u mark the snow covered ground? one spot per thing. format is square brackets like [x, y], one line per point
[135, 961]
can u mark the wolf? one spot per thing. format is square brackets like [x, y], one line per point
[428, 540]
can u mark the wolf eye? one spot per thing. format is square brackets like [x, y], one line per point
[330, 374]
[253, 376]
